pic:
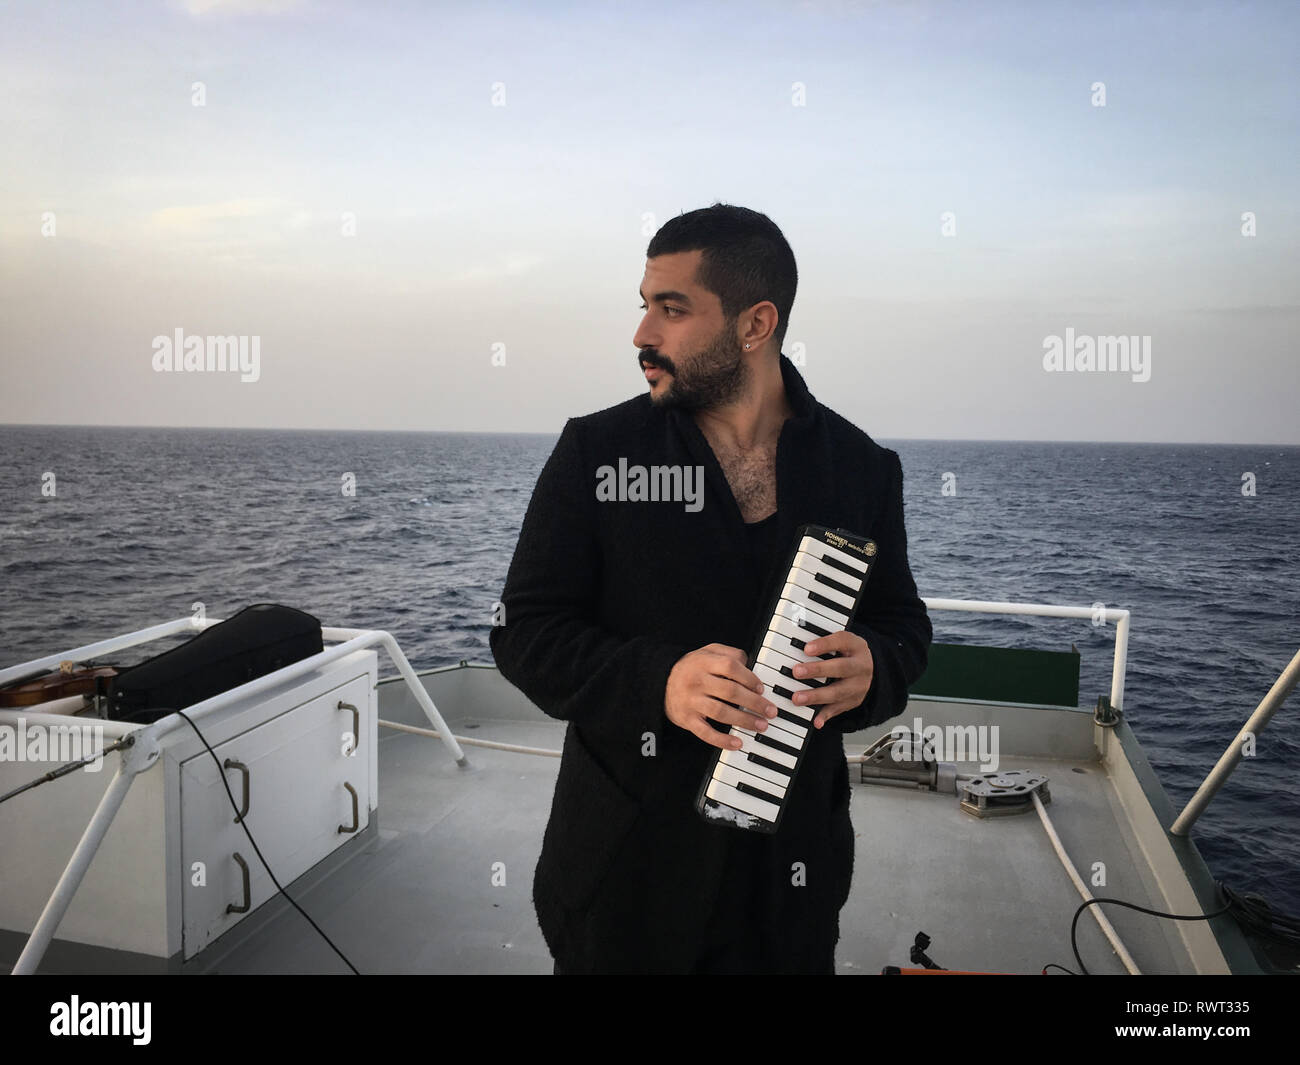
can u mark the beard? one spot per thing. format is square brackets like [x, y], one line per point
[711, 379]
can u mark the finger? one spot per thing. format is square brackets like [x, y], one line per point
[831, 711]
[829, 667]
[819, 695]
[737, 672]
[714, 738]
[848, 692]
[733, 653]
[725, 713]
[848, 676]
[730, 691]
[841, 642]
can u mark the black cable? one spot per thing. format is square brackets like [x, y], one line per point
[243, 823]
[1053, 965]
[1074, 925]
[1255, 915]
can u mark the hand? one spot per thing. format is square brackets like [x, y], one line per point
[852, 671]
[713, 684]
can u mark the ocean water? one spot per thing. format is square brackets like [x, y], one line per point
[144, 523]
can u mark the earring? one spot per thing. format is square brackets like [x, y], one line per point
[746, 347]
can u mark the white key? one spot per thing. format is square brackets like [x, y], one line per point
[816, 567]
[790, 734]
[750, 804]
[731, 775]
[740, 760]
[775, 659]
[749, 743]
[797, 733]
[801, 615]
[817, 547]
[784, 731]
[771, 677]
[809, 580]
[798, 595]
[778, 639]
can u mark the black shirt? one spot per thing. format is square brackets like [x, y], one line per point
[765, 554]
[762, 544]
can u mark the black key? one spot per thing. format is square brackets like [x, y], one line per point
[757, 792]
[812, 682]
[833, 560]
[770, 742]
[842, 589]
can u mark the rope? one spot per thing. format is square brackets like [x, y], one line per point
[490, 744]
[1105, 925]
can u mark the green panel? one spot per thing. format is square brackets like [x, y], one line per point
[1001, 674]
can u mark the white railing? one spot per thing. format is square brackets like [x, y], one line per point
[1093, 613]
[1230, 759]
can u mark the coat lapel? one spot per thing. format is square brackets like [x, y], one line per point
[701, 454]
[804, 461]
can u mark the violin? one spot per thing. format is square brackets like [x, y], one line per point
[69, 679]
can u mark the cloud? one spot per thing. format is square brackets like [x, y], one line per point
[254, 231]
[1252, 310]
[1136, 211]
[207, 217]
[200, 8]
[513, 264]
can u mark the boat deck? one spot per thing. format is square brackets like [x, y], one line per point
[418, 896]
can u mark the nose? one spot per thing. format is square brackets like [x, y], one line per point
[645, 337]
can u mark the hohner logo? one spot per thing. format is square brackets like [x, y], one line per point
[838, 541]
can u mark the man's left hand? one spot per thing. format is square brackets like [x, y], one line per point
[850, 674]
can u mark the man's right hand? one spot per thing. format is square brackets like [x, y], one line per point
[701, 687]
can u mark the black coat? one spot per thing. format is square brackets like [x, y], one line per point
[601, 600]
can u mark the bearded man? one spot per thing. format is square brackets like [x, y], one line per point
[628, 617]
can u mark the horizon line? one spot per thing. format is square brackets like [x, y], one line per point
[556, 433]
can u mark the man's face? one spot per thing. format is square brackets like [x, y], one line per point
[690, 354]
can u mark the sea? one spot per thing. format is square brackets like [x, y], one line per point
[105, 530]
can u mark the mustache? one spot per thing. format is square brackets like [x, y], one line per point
[653, 358]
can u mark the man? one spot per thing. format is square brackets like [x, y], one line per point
[629, 609]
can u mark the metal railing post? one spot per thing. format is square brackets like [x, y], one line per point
[1121, 661]
[1210, 786]
[135, 759]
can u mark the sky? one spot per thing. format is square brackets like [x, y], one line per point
[429, 216]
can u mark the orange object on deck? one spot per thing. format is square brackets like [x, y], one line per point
[894, 970]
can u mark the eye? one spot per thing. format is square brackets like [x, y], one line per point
[667, 310]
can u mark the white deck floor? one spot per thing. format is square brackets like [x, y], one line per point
[419, 898]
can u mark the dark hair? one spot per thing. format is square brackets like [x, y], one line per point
[746, 258]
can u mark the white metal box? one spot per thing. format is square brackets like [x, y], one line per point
[166, 881]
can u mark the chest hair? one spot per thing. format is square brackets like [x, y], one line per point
[752, 477]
